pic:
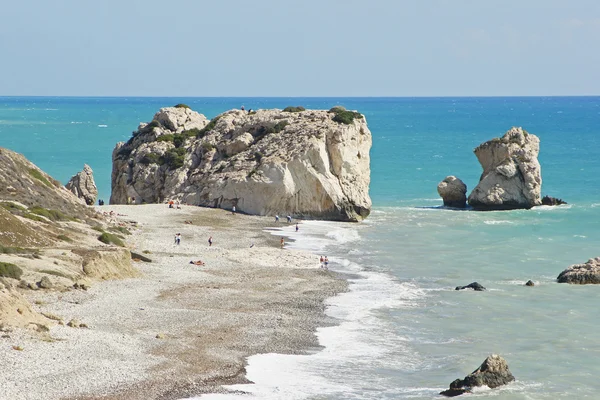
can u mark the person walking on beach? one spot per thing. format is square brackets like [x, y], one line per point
[233, 210]
[297, 227]
[282, 242]
[289, 219]
[326, 262]
[178, 238]
[277, 218]
[210, 241]
[322, 260]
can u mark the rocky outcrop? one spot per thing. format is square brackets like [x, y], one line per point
[582, 274]
[474, 285]
[310, 164]
[511, 177]
[552, 201]
[83, 186]
[453, 191]
[529, 283]
[492, 373]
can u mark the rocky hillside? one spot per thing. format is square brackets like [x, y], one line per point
[307, 163]
[49, 240]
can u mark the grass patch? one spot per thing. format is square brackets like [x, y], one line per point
[34, 217]
[9, 270]
[121, 229]
[181, 105]
[343, 116]
[294, 109]
[40, 177]
[11, 250]
[110, 238]
[98, 228]
[52, 215]
[55, 273]
[64, 238]
[12, 207]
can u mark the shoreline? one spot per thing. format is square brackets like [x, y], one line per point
[180, 330]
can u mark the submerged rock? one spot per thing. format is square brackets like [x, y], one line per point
[511, 177]
[552, 201]
[492, 373]
[308, 163]
[83, 186]
[475, 286]
[453, 191]
[582, 274]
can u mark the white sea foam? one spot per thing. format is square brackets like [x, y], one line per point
[102, 126]
[498, 222]
[361, 338]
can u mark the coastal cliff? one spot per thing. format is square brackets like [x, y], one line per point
[49, 240]
[308, 163]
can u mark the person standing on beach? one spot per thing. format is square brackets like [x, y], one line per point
[282, 242]
[297, 227]
[233, 210]
[178, 238]
[289, 219]
[210, 241]
[277, 218]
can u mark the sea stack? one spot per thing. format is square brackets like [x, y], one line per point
[493, 372]
[306, 163]
[83, 186]
[582, 274]
[511, 177]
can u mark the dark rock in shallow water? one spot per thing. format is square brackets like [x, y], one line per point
[582, 274]
[492, 373]
[453, 191]
[475, 286]
[530, 283]
[552, 201]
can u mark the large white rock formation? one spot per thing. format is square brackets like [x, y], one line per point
[311, 164]
[83, 185]
[511, 177]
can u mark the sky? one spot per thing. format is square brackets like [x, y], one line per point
[300, 48]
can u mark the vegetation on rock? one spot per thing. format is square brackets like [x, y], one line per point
[9, 270]
[343, 116]
[209, 127]
[294, 109]
[181, 105]
[38, 175]
[110, 238]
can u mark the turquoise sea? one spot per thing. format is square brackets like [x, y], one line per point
[404, 332]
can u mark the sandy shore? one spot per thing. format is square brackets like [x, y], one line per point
[179, 329]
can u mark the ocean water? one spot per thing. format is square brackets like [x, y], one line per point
[404, 332]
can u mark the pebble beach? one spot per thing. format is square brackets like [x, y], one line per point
[179, 329]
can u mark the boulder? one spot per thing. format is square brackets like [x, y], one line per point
[83, 186]
[453, 191]
[582, 274]
[511, 177]
[310, 164]
[529, 283]
[492, 373]
[552, 201]
[475, 286]
[45, 283]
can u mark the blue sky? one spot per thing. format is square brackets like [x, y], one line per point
[300, 48]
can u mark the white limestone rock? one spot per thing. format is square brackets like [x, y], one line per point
[511, 177]
[453, 191]
[83, 185]
[266, 162]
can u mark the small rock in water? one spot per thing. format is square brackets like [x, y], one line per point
[492, 373]
[475, 286]
[530, 283]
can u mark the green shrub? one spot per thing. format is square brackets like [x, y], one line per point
[173, 158]
[153, 124]
[343, 116]
[190, 133]
[206, 146]
[294, 109]
[211, 125]
[165, 138]
[150, 158]
[98, 228]
[147, 252]
[258, 156]
[34, 217]
[39, 176]
[110, 238]
[9, 270]
[52, 215]
[181, 105]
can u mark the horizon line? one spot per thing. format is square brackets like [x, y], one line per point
[297, 97]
